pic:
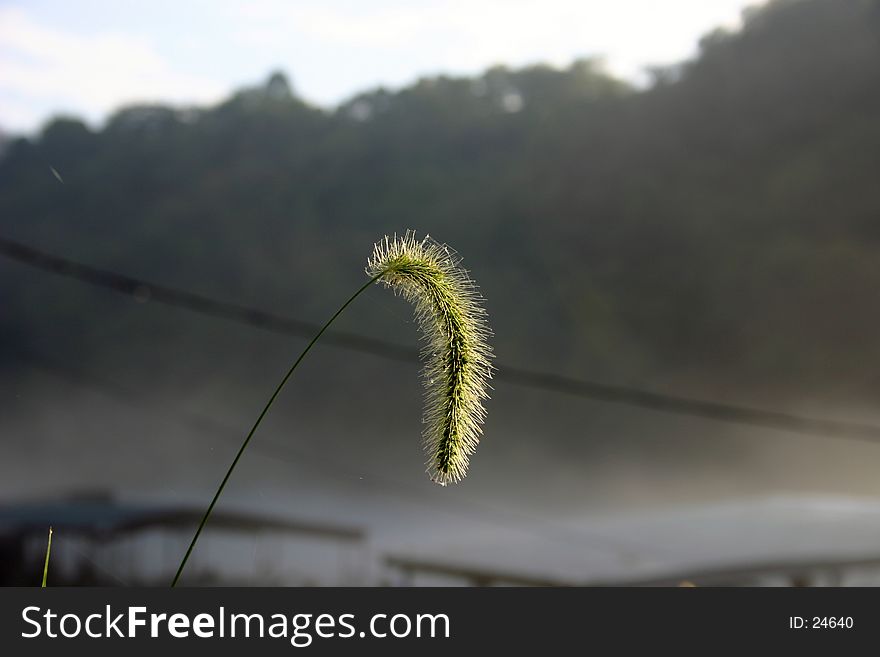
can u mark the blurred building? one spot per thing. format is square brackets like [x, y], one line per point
[99, 540]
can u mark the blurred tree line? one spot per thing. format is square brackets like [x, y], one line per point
[719, 229]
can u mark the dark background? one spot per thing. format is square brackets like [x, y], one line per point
[713, 236]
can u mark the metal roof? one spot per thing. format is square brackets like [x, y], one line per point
[100, 514]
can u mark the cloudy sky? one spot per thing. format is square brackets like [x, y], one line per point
[86, 57]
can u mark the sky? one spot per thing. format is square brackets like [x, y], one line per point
[88, 57]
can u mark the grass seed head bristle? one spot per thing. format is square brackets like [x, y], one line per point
[457, 356]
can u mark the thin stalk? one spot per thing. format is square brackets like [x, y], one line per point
[257, 424]
[46, 564]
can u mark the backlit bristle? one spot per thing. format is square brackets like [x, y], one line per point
[456, 355]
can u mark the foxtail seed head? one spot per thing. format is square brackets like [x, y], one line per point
[456, 355]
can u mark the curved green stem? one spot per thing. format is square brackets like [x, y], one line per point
[257, 424]
[46, 564]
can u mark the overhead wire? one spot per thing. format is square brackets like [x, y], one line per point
[545, 381]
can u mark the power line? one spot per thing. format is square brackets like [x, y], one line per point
[171, 296]
[146, 290]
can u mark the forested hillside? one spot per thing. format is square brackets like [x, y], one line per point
[718, 231]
